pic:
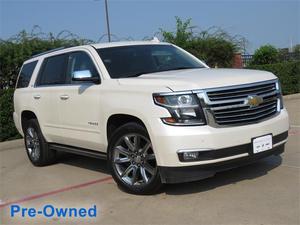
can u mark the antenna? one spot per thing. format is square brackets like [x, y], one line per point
[155, 39]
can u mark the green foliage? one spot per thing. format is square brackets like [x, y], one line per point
[288, 74]
[266, 54]
[14, 51]
[214, 46]
[183, 34]
[7, 127]
[296, 49]
[214, 52]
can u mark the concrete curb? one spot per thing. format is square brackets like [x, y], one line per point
[293, 96]
[11, 144]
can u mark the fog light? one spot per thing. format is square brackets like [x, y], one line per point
[187, 156]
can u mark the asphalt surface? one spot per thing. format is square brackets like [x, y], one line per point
[267, 192]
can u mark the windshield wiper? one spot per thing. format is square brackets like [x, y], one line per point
[137, 74]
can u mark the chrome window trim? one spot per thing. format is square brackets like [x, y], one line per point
[36, 85]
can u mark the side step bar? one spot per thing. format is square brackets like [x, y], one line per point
[78, 151]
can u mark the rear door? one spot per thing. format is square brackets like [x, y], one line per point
[22, 94]
[50, 78]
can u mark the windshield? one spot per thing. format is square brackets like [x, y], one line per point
[136, 60]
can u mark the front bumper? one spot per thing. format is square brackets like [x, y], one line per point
[193, 173]
[168, 140]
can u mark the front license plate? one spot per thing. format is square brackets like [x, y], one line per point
[261, 144]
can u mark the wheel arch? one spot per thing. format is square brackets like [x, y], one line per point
[116, 120]
[25, 116]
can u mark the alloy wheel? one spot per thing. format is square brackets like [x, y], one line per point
[32, 144]
[134, 159]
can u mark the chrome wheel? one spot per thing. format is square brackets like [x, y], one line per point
[134, 159]
[32, 144]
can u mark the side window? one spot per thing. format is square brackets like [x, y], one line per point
[80, 63]
[25, 74]
[53, 70]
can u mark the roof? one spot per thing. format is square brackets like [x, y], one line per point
[98, 45]
[127, 43]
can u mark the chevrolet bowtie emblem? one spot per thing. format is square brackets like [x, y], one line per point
[253, 101]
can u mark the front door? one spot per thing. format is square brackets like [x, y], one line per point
[79, 104]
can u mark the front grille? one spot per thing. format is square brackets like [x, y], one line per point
[228, 106]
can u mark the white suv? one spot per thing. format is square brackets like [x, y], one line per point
[157, 113]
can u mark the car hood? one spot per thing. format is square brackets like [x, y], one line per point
[191, 79]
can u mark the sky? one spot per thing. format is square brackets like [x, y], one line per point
[260, 22]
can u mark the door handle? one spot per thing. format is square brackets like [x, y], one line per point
[64, 97]
[36, 97]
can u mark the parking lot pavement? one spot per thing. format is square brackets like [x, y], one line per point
[267, 192]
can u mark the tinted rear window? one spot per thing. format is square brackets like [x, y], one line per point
[25, 74]
[53, 70]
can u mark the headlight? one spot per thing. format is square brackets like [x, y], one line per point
[184, 109]
[278, 88]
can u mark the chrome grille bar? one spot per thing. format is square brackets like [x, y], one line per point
[254, 89]
[229, 106]
[248, 119]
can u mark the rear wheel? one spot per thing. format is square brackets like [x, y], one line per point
[133, 161]
[36, 146]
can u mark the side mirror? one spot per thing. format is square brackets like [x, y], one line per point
[84, 75]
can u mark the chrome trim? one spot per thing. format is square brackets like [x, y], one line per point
[232, 92]
[239, 105]
[182, 124]
[248, 113]
[238, 99]
[195, 150]
[236, 86]
[172, 93]
[279, 143]
[220, 159]
[209, 107]
[253, 118]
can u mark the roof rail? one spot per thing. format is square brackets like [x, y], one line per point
[46, 52]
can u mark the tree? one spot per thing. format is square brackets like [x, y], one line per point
[183, 34]
[266, 54]
[296, 49]
[14, 51]
[214, 45]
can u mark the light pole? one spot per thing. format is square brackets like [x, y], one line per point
[107, 21]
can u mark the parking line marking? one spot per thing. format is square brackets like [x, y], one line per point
[32, 197]
[293, 132]
[295, 126]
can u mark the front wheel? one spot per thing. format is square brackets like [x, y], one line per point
[132, 160]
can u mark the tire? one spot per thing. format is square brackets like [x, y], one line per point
[36, 146]
[132, 160]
